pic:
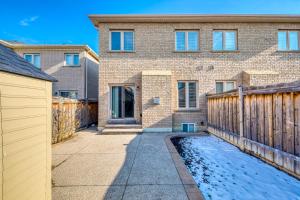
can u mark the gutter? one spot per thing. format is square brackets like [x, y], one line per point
[85, 78]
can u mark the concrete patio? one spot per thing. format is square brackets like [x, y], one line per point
[92, 166]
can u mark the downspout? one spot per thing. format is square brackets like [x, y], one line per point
[86, 91]
[85, 79]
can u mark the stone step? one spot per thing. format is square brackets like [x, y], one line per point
[128, 126]
[122, 131]
[121, 121]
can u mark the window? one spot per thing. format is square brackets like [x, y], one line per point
[223, 86]
[72, 59]
[288, 40]
[187, 40]
[187, 94]
[224, 40]
[121, 40]
[188, 127]
[34, 59]
[73, 94]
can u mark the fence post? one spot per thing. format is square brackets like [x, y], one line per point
[241, 116]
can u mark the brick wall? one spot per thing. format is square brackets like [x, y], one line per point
[157, 117]
[154, 50]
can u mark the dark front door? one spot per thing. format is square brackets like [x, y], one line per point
[122, 102]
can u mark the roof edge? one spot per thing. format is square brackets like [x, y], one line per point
[193, 18]
[51, 46]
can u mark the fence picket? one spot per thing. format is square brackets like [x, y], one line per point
[271, 115]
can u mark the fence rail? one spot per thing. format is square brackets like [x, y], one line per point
[69, 116]
[261, 117]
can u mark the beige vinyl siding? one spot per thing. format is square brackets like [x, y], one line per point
[25, 108]
[69, 77]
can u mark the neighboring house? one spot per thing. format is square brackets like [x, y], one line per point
[74, 66]
[157, 69]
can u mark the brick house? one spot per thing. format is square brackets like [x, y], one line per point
[74, 66]
[157, 69]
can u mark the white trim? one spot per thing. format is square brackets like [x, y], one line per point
[225, 83]
[224, 39]
[157, 130]
[186, 40]
[32, 58]
[72, 55]
[187, 106]
[122, 40]
[68, 91]
[110, 101]
[194, 124]
[287, 31]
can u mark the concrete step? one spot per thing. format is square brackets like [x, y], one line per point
[121, 121]
[121, 131]
[125, 126]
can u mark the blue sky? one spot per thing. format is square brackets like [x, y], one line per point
[66, 21]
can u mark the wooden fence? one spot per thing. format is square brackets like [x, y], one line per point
[69, 116]
[264, 121]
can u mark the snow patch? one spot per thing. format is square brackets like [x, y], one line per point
[222, 171]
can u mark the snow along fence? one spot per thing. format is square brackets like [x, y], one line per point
[263, 121]
[71, 115]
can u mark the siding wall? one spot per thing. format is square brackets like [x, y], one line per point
[25, 143]
[52, 62]
[93, 77]
[154, 50]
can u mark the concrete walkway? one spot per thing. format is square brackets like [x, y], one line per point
[130, 167]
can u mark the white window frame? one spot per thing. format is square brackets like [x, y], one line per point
[288, 39]
[224, 83]
[224, 39]
[72, 54]
[187, 103]
[122, 40]
[32, 60]
[194, 124]
[186, 40]
[76, 91]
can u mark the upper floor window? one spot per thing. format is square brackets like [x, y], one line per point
[72, 59]
[224, 86]
[224, 40]
[288, 40]
[33, 58]
[121, 40]
[187, 94]
[187, 40]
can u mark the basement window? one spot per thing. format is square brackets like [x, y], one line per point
[188, 127]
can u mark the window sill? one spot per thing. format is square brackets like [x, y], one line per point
[224, 51]
[288, 51]
[188, 110]
[72, 66]
[109, 51]
[187, 51]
